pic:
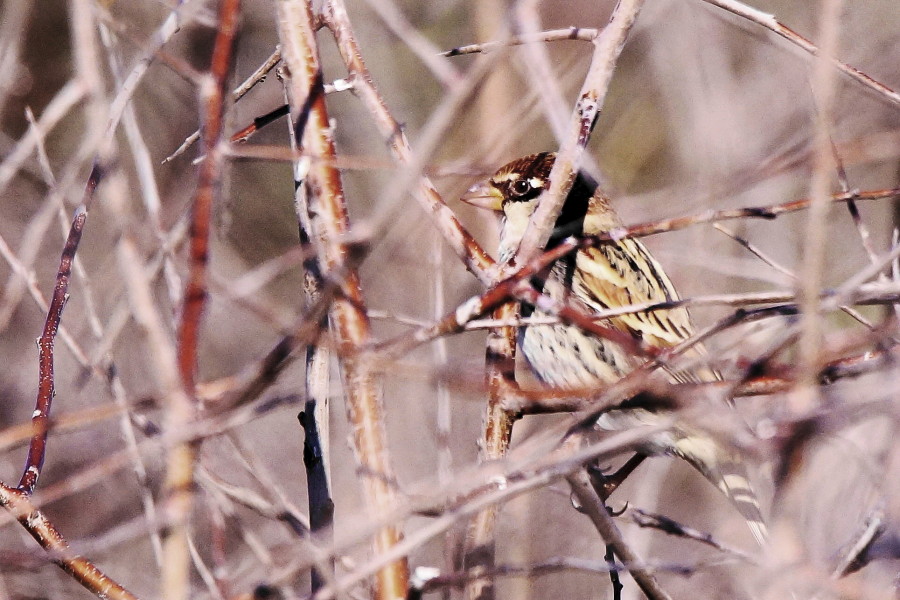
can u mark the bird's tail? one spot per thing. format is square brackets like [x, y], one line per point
[727, 471]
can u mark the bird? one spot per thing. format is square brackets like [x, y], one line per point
[596, 278]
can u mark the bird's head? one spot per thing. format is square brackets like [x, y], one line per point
[515, 190]
[515, 187]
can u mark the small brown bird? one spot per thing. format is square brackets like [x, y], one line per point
[608, 276]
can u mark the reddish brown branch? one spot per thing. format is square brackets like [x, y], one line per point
[40, 419]
[181, 410]
[213, 94]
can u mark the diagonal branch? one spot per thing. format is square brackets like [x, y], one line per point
[772, 24]
[607, 49]
[42, 530]
[462, 243]
[593, 507]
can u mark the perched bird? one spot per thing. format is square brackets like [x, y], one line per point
[607, 276]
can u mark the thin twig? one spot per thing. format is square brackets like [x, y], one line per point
[593, 507]
[46, 384]
[248, 84]
[771, 23]
[584, 34]
[672, 527]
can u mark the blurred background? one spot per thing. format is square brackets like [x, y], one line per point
[706, 111]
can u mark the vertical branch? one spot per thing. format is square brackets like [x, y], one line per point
[212, 101]
[350, 326]
[824, 89]
[181, 407]
[498, 424]
[607, 48]
[314, 419]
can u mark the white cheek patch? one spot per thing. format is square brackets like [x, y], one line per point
[536, 183]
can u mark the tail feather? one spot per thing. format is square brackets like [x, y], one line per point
[727, 472]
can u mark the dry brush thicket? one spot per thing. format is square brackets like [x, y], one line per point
[206, 297]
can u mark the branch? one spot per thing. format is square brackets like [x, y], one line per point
[180, 411]
[607, 48]
[350, 327]
[593, 507]
[478, 554]
[584, 34]
[40, 419]
[463, 244]
[771, 23]
[41, 529]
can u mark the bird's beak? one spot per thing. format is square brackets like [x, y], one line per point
[484, 195]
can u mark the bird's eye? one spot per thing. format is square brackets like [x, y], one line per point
[520, 187]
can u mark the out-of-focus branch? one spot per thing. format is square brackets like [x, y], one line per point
[824, 93]
[772, 24]
[181, 409]
[350, 326]
[536, 463]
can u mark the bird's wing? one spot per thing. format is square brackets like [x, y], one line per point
[617, 275]
[612, 276]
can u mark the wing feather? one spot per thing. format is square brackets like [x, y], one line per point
[617, 275]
